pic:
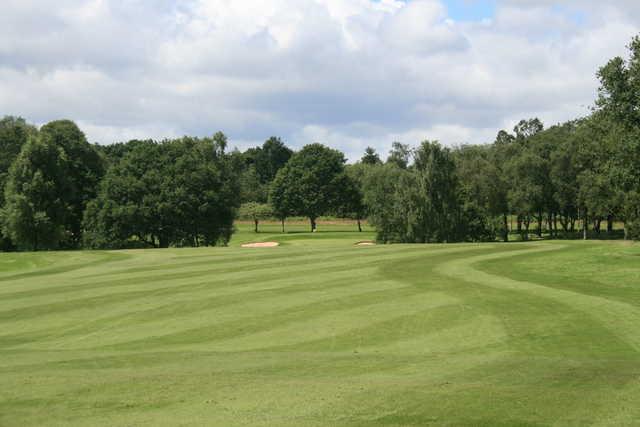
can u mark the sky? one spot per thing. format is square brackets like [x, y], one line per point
[346, 73]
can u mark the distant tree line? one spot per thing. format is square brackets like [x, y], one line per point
[576, 178]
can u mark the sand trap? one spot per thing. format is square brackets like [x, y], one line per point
[261, 245]
[366, 243]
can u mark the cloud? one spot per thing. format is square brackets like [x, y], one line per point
[421, 28]
[349, 73]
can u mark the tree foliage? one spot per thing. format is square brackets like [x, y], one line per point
[400, 155]
[59, 191]
[255, 212]
[35, 212]
[370, 157]
[311, 184]
[179, 192]
[84, 171]
[351, 197]
[49, 187]
[422, 203]
[14, 133]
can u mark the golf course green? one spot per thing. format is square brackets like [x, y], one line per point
[320, 331]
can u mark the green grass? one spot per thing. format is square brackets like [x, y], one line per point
[321, 332]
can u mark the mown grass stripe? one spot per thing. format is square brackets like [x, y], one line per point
[318, 332]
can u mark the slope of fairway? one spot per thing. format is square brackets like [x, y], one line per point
[318, 331]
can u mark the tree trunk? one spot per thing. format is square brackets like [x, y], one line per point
[539, 232]
[255, 221]
[282, 224]
[610, 224]
[564, 222]
[505, 235]
[143, 240]
[359, 226]
[313, 224]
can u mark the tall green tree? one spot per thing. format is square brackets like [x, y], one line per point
[370, 157]
[181, 192]
[619, 101]
[483, 185]
[35, 213]
[255, 212]
[202, 191]
[271, 157]
[280, 199]
[251, 187]
[400, 155]
[619, 92]
[129, 202]
[423, 203]
[525, 129]
[311, 183]
[526, 188]
[439, 214]
[352, 204]
[258, 168]
[564, 170]
[84, 171]
[14, 133]
[624, 171]
[381, 194]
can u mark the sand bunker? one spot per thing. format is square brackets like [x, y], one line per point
[366, 243]
[261, 245]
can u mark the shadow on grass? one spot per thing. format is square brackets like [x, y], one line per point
[575, 235]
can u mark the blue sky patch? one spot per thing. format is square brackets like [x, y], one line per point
[470, 10]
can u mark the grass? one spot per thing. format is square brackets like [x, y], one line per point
[321, 332]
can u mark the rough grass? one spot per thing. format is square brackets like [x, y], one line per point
[321, 332]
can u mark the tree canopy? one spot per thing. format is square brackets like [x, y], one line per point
[35, 212]
[179, 192]
[578, 178]
[311, 183]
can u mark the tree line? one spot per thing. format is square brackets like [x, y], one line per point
[576, 178]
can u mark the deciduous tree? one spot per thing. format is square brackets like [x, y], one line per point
[311, 183]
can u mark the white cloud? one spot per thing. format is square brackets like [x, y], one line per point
[349, 73]
[421, 28]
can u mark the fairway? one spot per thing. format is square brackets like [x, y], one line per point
[319, 331]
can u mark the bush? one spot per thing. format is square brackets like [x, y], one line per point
[632, 229]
